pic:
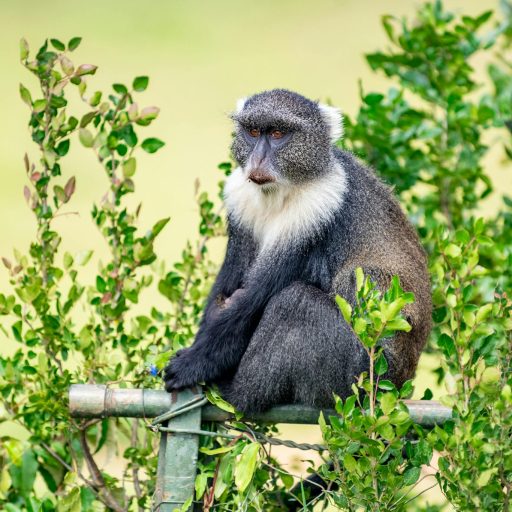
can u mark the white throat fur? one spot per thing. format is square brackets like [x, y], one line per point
[284, 212]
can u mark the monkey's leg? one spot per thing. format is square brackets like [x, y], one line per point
[302, 351]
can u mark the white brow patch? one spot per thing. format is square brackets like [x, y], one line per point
[334, 120]
[285, 212]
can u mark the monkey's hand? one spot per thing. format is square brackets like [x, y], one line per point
[180, 371]
[186, 369]
[236, 295]
[221, 303]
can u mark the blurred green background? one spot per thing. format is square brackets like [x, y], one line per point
[201, 56]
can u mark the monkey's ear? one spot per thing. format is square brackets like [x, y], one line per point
[240, 103]
[334, 120]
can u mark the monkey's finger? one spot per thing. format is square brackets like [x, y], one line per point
[169, 386]
[169, 373]
[175, 384]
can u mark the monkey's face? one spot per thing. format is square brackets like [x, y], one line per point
[282, 139]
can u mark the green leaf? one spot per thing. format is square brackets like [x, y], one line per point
[120, 88]
[381, 365]
[411, 476]
[349, 405]
[373, 99]
[129, 167]
[452, 250]
[399, 324]
[58, 45]
[345, 308]
[287, 479]
[214, 398]
[62, 148]
[419, 453]
[59, 193]
[359, 325]
[74, 42]
[83, 257]
[485, 476]
[95, 99]
[152, 145]
[388, 26]
[349, 462]
[17, 331]
[245, 467]
[140, 83]
[23, 476]
[390, 311]
[386, 431]
[225, 473]
[168, 287]
[483, 312]
[387, 403]
[25, 95]
[39, 105]
[407, 389]
[447, 345]
[58, 101]
[86, 69]
[70, 502]
[23, 49]
[200, 485]
[86, 137]
[68, 260]
[159, 226]
[147, 115]
[87, 118]
[359, 278]
[386, 385]
[217, 451]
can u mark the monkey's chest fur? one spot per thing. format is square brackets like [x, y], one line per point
[283, 215]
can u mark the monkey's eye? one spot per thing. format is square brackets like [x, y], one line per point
[254, 132]
[276, 134]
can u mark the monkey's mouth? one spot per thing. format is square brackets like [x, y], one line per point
[261, 177]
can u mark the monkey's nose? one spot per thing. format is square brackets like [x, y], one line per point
[261, 177]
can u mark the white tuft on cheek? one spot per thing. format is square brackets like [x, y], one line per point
[284, 213]
[334, 120]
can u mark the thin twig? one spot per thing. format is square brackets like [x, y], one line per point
[135, 467]
[98, 481]
[63, 463]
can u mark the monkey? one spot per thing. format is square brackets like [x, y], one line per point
[302, 215]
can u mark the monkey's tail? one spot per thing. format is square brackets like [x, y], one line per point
[310, 488]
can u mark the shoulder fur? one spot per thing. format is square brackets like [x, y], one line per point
[286, 212]
[240, 104]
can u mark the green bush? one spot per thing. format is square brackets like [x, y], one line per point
[59, 344]
[427, 136]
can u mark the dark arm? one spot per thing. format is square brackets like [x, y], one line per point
[239, 257]
[225, 333]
